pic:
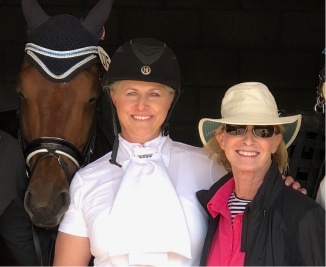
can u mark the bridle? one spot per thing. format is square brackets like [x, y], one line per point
[53, 147]
[46, 33]
[44, 147]
[56, 147]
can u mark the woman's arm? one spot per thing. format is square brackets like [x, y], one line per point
[71, 250]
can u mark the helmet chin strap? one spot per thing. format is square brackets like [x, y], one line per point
[114, 153]
[165, 129]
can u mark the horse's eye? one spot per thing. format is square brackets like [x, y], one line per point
[92, 100]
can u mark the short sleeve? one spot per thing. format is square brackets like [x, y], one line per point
[73, 222]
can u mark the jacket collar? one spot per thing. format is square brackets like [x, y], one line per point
[266, 194]
[269, 190]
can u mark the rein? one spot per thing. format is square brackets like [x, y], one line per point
[56, 147]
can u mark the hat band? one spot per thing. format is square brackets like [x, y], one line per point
[90, 50]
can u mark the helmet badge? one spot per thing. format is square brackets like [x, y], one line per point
[146, 70]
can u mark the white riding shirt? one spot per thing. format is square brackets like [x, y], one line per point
[145, 213]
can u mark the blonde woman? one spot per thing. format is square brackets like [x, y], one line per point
[254, 218]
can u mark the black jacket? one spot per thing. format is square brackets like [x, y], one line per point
[280, 226]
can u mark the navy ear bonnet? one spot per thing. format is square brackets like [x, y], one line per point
[62, 46]
[145, 59]
[61, 33]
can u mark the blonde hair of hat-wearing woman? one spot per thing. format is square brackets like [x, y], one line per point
[137, 205]
[254, 218]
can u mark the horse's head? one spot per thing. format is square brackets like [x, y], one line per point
[56, 124]
[59, 85]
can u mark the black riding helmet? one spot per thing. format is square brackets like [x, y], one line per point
[149, 60]
[145, 59]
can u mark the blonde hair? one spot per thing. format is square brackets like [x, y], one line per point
[113, 86]
[280, 157]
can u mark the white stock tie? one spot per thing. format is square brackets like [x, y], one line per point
[147, 220]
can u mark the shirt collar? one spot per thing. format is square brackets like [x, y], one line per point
[219, 201]
[160, 146]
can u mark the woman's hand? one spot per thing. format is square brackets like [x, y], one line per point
[295, 185]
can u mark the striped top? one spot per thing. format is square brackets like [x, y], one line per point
[236, 205]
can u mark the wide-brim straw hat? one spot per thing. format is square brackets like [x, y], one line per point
[250, 103]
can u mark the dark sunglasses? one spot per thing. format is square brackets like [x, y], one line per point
[264, 131]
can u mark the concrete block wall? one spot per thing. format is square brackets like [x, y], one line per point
[218, 43]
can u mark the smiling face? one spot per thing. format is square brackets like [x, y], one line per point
[248, 153]
[142, 108]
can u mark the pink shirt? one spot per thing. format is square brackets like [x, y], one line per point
[225, 249]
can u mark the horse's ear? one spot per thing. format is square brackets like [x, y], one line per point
[34, 14]
[97, 17]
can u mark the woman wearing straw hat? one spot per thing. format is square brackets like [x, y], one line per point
[254, 218]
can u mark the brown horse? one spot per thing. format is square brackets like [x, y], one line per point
[59, 87]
